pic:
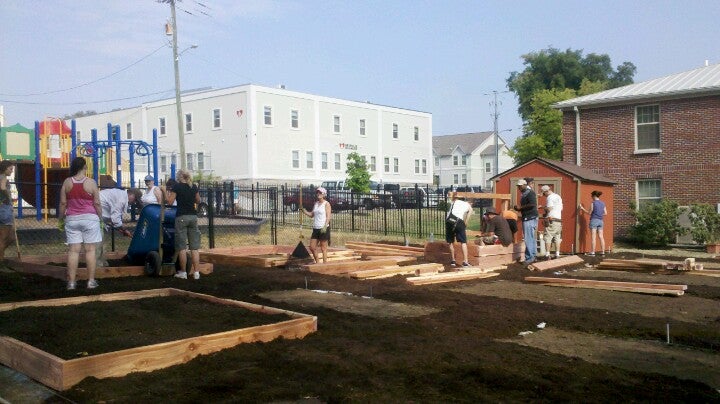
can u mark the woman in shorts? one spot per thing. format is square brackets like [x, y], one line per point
[597, 212]
[80, 215]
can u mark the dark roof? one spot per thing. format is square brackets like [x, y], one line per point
[468, 142]
[580, 172]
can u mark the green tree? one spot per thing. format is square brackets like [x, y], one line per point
[358, 176]
[551, 76]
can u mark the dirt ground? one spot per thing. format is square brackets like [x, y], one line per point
[385, 340]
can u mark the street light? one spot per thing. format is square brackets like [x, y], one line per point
[497, 149]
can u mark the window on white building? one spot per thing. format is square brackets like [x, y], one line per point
[464, 178]
[295, 159]
[336, 123]
[294, 119]
[173, 160]
[200, 161]
[190, 157]
[267, 115]
[647, 127]
[488, 167]
[416, 133]
[128, 131]
[188, 122]
[396, 165]
[337, 161]
[648, 192]
[395, 131]
[417, 166]
[161, 126]
[437, 161]
[373, 164]
[163, 164]
[217, 118]
[79, 137]
[424, 166]
[324, 160]
[362, 127]
[386, 164]
[456, 179]
[309, 159]
[456, 160]
[464, 160]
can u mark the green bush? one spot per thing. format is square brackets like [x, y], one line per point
[656, 224]
[705, 224]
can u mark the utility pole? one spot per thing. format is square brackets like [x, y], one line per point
[496, 135]
[178, 105]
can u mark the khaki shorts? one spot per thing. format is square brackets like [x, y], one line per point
[83, 228]
[553, 230]
[187, 233]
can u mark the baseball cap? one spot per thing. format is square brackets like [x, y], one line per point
[521, 182]
[149, 178]
[490, 210]
[544, 188]
[321, 190]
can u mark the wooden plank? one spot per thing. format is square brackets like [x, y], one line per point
[649, 291]
[385, 246]
[449, 277]
[68, 301]
[706, 272]
[399, 259]
[372, 273]
[335, 268]
[556, 263]
[62, 374]
[479, 195]
[593, 282]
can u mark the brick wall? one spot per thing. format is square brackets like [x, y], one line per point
[688, 166]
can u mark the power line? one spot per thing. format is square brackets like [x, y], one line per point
[86, 102]
[89, 82]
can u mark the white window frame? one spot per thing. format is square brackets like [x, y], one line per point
[217, 120]
[163, 164]
[338, 162]
[267, 115]
[294, 119]
[373, 164]
[416, 133]
[488, 167]
[200, 161]
[417, 166]
[190, 160]
[644, 124]
[362, 127]
[324, 161]
[395, 131]
[162, 126]
[456, 161]
[643, 200]
[424, 166]
[337, 121]
[79, 136]
[309, 159]
[463, 178]
[128, 131]
[396, 165]
[295, 159]
[386, 164]
[456, 179]
[188, 122]
[437, 161]
[464, 159]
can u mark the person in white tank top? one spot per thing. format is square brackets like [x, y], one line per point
[152, 194]
[321, 224]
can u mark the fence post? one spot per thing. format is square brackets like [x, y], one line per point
[418, 204]
[211, 218]
[273, 199]
[352, 210]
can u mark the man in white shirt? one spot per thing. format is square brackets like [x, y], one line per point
[455, 224]
[553, 220]
[114, 203]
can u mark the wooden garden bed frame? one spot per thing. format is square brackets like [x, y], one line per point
[61, 374]
[38, 264]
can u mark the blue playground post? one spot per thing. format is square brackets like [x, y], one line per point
[155, 156]
[38, 186]
[73, 139]
[96, 169]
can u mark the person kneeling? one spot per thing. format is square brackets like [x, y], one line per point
[497, 230]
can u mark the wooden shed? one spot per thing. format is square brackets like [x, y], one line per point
[574, 184]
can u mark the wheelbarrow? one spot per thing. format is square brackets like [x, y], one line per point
[153, 242]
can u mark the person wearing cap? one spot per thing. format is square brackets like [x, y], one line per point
[114, 203]
[321, 224]
[461, 211]
[497, 230]
[528, 210]
[152, 194]
[552, 220]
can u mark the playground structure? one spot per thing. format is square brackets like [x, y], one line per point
[44, 159]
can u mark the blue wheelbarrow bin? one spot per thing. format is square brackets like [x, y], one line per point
[146, 244]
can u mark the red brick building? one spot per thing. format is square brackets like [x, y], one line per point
[655, 139]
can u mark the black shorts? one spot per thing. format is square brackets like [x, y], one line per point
[455, 232]
[316, 235]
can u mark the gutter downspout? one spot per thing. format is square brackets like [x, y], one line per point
[578, 161]
[576, 246]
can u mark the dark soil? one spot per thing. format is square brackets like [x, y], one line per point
[458, 354]
[99, 327]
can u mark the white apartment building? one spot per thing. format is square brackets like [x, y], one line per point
[468, 159]
[252, 133]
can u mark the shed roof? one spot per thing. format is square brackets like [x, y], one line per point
[467, 142]
[580, 172]
[701, 81]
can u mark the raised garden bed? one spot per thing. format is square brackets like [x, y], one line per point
[124, 353]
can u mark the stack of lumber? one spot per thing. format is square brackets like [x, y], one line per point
[633, 265]
[635, 287]
[555, 263]
[264, 256]
[478, 255]
[464, 275]
[345, 267]
[417, 270]
[706, 272]
[379, 249]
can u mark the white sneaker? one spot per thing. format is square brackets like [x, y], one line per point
[71, 286]
[92, 284]
[196, 275]
[181, 274]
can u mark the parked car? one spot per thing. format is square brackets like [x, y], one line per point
[292, 200]
[411, 197]
[382, 195]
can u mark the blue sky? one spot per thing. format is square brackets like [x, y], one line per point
[443, 57]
